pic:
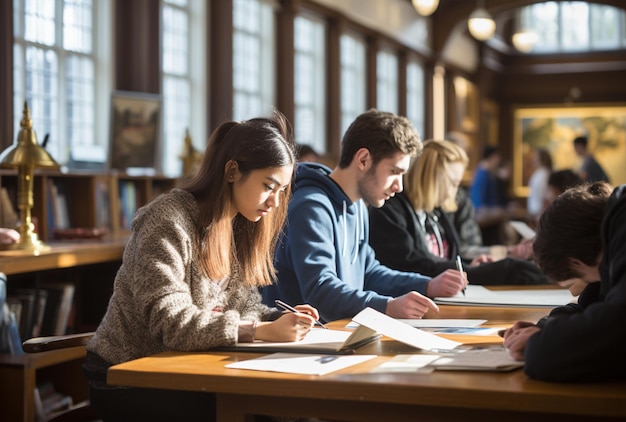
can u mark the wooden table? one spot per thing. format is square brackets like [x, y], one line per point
[356, 394]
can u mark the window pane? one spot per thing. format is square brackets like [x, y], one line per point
[575, 26]
[253, 58]
[176, 109]
[77, 22]
[387, 82]
[309, 83]
[415, 95]
[81, 109]
[605, 24]
[55, 71]
[18, 84]
[42, 96]
[175, 41]
[353, 100]
[541, 18]
[39, 21]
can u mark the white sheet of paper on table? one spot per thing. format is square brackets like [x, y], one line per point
[298, 363]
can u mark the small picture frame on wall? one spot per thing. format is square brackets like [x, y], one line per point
[135, 131]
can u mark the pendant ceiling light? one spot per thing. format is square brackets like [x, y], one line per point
[524, 41]
[481, 25]
[425, 7]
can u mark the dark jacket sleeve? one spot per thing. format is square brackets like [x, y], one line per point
[399, 240]
[589, 345]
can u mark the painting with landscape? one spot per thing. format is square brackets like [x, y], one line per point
[554, 128]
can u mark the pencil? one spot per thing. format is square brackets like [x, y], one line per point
[290, 308]
[459, 266]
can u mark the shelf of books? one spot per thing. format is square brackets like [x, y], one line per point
[85, 218]
[77, 205]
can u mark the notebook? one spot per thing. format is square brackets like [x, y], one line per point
[318, 340]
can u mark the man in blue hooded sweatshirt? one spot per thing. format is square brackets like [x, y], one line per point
[324, 257]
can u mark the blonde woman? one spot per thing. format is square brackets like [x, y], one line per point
[412, 232]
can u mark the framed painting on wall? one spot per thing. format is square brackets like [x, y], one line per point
[135, 129]
[554, 128]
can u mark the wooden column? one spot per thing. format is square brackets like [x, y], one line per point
[285, 58]
[333, 81]
[221, 60]
[6, 74]
[137, 46]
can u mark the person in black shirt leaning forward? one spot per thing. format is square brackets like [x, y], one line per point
[581, 241]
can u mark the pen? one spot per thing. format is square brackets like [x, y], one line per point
[459, 266]
[290, 308]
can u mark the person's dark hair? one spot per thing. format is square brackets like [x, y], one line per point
[382, 133]
[564, 179]
[304, 149]
[571, 228]
[545, 159]
[489, 150]
[581, 140]
[254, 144]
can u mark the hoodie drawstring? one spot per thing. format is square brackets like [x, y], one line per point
[357, 232]
[359, 222]
[345, 231]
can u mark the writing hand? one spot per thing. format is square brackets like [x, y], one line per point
[289, 327]
[446, 284]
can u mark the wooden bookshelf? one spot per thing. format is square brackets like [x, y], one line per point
[93, 201]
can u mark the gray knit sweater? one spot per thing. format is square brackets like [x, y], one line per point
[161, 300]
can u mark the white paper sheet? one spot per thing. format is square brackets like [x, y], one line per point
[298, 363]
[402, 332]
[443, 323]
[480, 296]
[407, 363]
[434, 323]
[523, 229]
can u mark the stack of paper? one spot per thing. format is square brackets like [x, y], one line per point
[329, 343]
[481, 296]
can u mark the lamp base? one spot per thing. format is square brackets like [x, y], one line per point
[27, 243]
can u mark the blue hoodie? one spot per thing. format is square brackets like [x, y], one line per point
[324, 257]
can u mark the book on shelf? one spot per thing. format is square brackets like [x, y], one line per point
[48, 401]
[103, 204]
[57, 209]
[8, 214]
[32, 307]
[42, 311]
[58, 308]
[10, 341]
[128, 203]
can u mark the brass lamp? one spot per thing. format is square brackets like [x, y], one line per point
[25, 155]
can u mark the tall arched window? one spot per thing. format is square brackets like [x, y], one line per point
[253, 58]
[310, 82]
[183, 81]
[415, 95]
[353, 88]
[387, 81]
[574, 26]
[62, 68]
